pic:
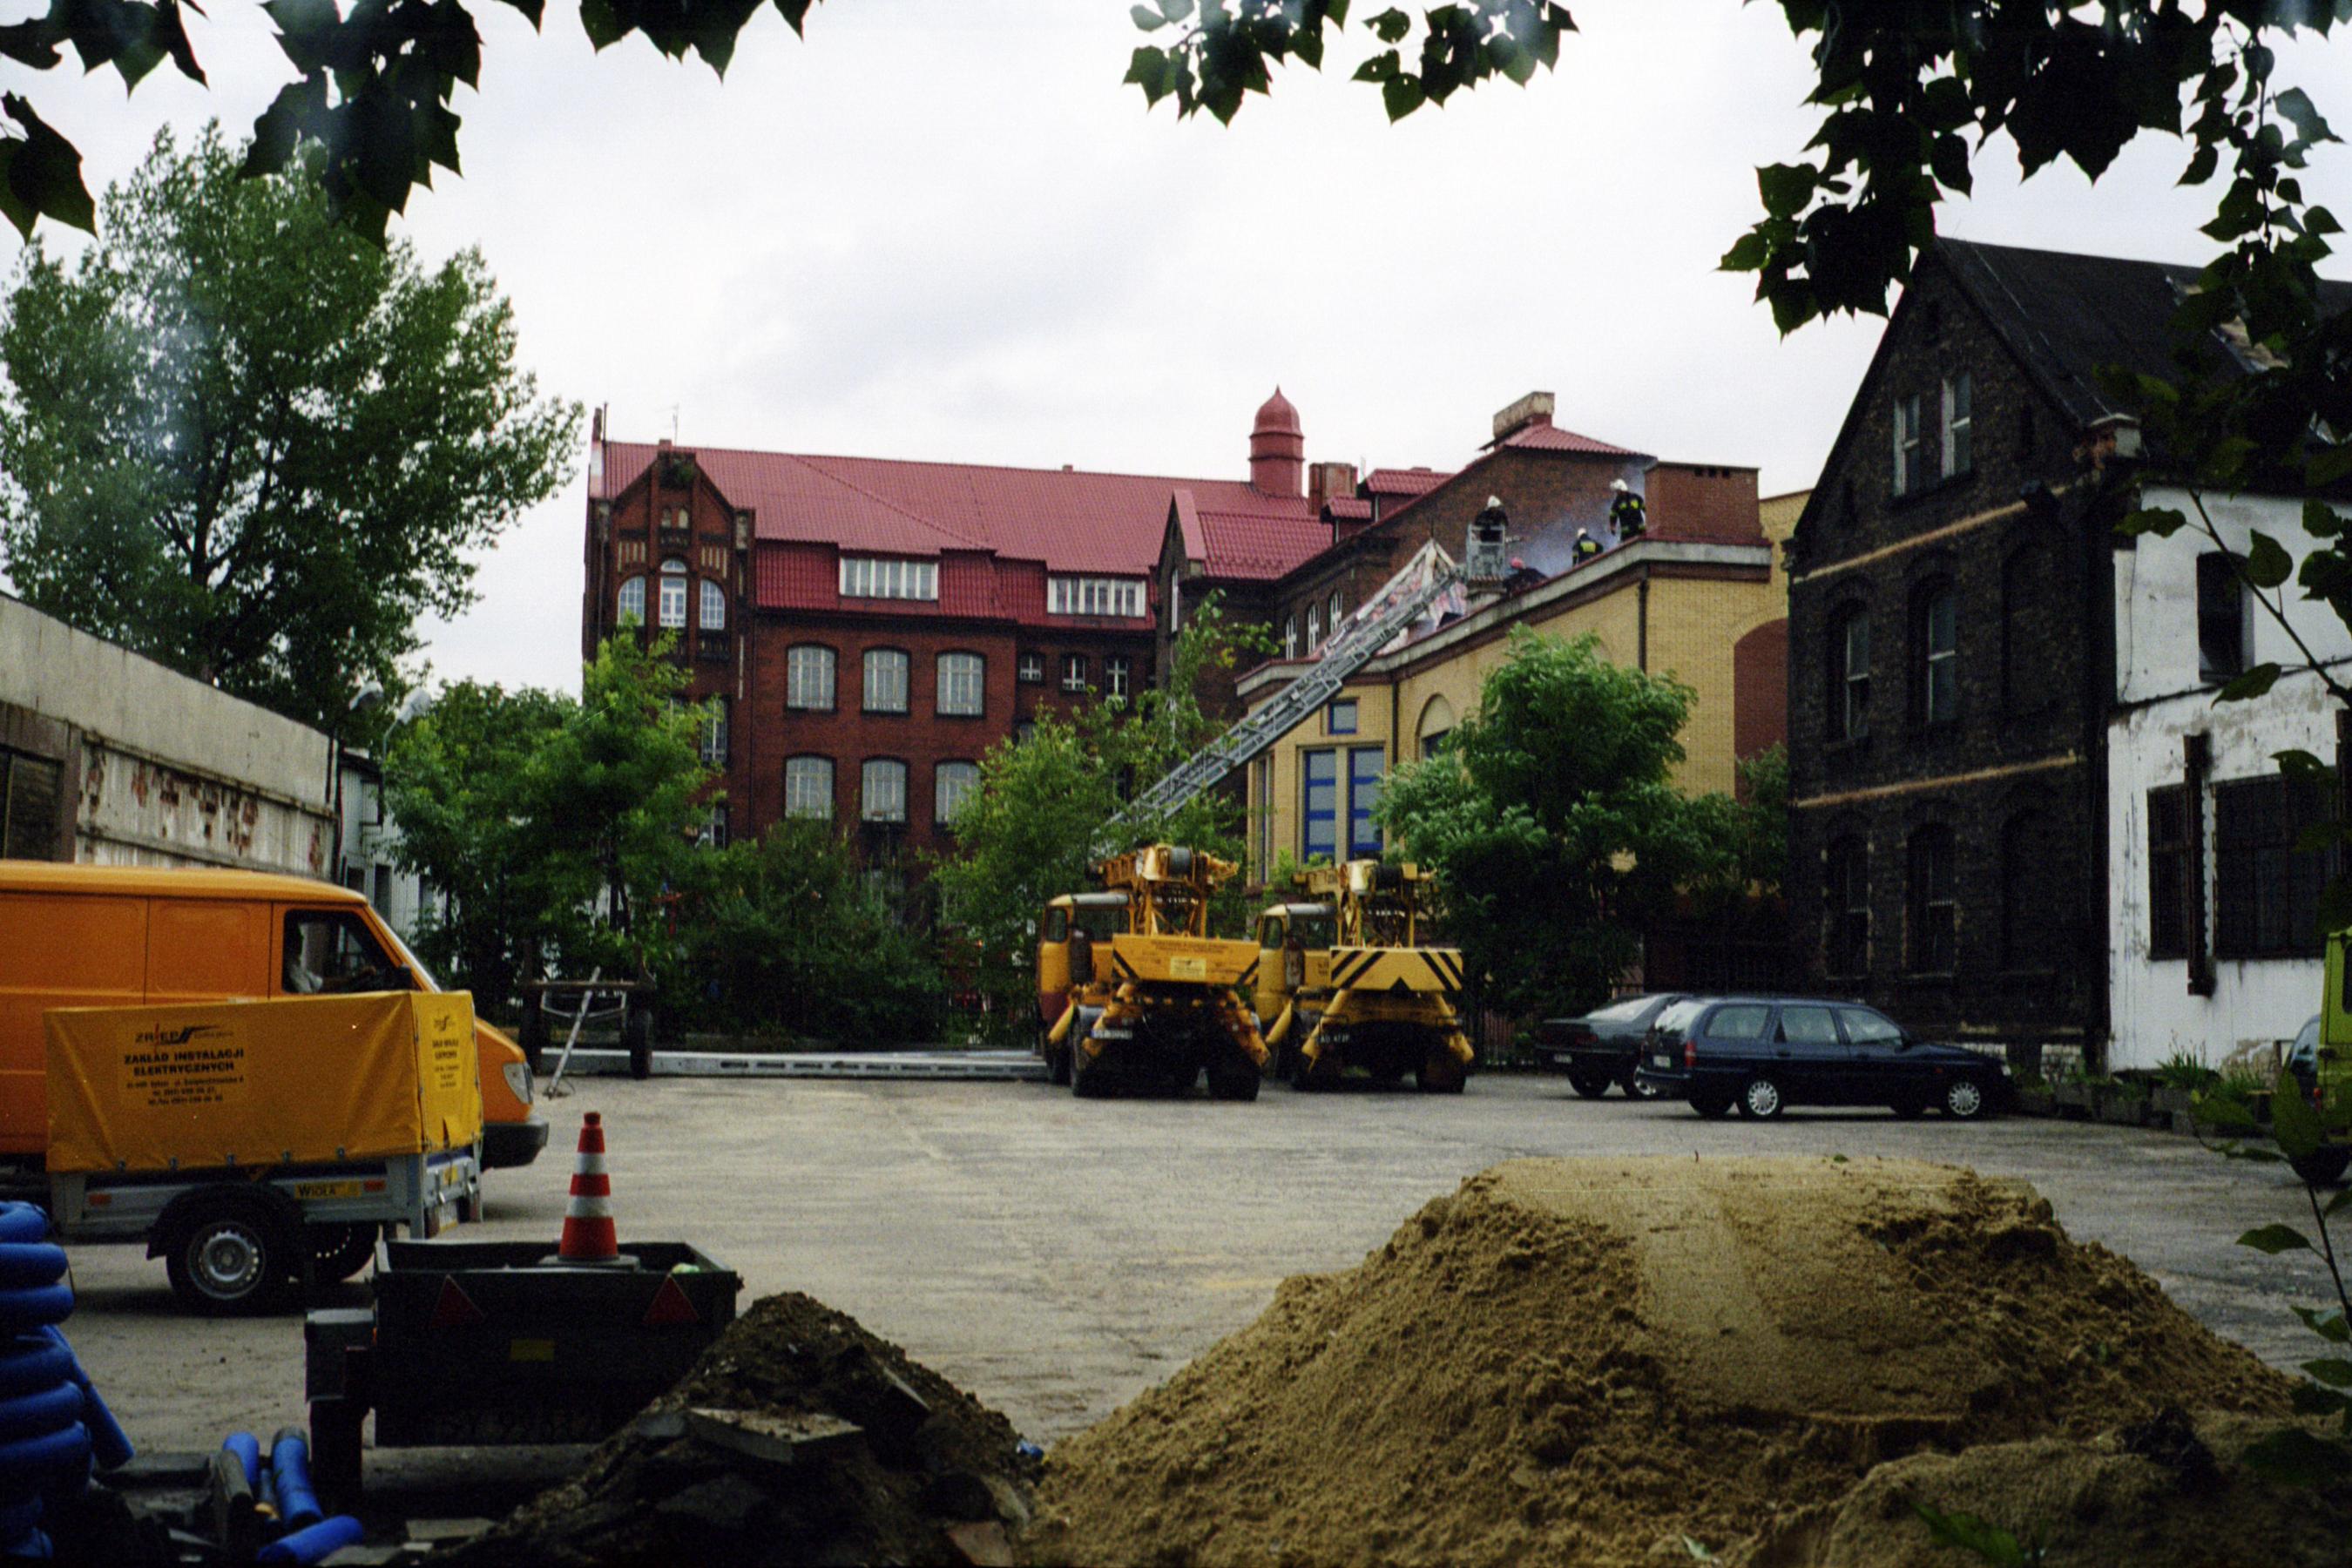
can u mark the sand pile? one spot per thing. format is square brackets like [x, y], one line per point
[929, 1475]
[1585, 1361]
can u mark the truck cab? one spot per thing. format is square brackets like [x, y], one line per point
[1074, 945]
[1294, 956]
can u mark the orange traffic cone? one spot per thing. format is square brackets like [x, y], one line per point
[588, 1236]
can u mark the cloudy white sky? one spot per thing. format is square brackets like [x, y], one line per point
[942, 230]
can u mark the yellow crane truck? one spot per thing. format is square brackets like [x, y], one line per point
[1343, 981]
[1148, 997]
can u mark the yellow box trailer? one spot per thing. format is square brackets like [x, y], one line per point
[254, 1143]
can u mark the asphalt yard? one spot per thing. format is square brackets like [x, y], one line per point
[1056, 1257]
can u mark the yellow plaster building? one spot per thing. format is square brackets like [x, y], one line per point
[1712, 612]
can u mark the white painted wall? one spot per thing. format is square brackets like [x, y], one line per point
[2256, 1002]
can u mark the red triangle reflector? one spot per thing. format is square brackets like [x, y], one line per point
[455, 1309]
[670, 1306]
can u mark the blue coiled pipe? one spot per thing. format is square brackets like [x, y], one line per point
[52, 1422]
[312, 1545]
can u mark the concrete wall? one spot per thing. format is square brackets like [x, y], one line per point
[163, 770]
[2256, 1002]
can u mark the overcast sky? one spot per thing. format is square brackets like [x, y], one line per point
[943, 229]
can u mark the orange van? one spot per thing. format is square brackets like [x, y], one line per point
[116, 936]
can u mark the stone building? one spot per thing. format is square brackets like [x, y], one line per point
[1953, 650]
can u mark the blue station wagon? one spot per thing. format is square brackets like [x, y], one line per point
[1759, 1054]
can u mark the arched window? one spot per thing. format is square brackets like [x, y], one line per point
[954, 783]
[673, 593]
[1935, 652]
[886, 681]
[1845, 908]
[1436, 724]
[1314, 627]
[808, 787]
[714, 605]
[961, 678]
[1290, 638]
[631, 606]
[883, 790]
[1335, 612]
[808, 676]
[1932, 902]
[1849, 675]
[2025, 912]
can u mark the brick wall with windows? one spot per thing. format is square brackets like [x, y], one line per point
[1948, 647]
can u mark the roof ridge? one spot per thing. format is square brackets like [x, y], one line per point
[813, 458]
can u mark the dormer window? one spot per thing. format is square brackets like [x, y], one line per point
[883, 577]
[1094, 597]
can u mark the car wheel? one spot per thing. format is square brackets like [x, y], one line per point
[1591, 1085]
[1712, 1107]
[1760, 1099]
[1965, 1100]
[2322, 1166]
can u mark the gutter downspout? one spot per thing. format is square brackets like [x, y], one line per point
[1642, 621]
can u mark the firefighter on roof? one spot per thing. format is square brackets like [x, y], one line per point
[1627, 513]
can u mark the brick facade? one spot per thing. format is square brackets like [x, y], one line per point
[1949, 862]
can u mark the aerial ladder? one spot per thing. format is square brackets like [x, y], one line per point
[1401, 602]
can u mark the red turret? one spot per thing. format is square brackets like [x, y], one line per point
[1277, 449]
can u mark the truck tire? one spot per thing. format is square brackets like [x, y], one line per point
[1087, 1079]
[339, 1251]
[229, 1253]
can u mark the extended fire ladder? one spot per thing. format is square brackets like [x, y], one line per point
[1401, 601]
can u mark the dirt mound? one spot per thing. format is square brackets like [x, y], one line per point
[1586, 1361]
[791, 1485]
[2124, 1498]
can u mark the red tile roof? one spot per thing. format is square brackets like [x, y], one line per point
[1546, 437]
[1348, 508]
[1071, 521]
[1403, 481]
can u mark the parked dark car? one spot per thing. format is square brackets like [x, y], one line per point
[1762, 1053]
[1603, 1046]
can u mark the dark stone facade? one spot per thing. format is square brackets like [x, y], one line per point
[1948, 864]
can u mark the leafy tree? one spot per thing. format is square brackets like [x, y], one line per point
[1049, 807]
[239, 438]
[784, 933]
[622, 792]
[1553, 822]
[458, 780]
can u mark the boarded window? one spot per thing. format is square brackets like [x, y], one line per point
[30, 791]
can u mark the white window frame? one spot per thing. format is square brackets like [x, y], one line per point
[888, 577]
[1909, 440]
[1334, 621]
[807, 668]
[882, 790]
[1074, 672]
[875, 687]
[808, 787]
[1115, 675]
[1032, 669]
[629, 603]
[713, 748]
[964, 778]
[714, 605]
[673, 594]
[1314, 627]
[1959, 425]
[962, 684]
[1290, 636]
[1120, 596]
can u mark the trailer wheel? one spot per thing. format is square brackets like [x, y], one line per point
[335, 1450]
[339, 1251]
[229, 1253]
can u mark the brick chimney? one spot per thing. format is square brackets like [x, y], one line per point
[1535, 409]
[1277, 448]
[1329, 481]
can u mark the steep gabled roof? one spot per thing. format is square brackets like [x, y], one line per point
[1544, 436]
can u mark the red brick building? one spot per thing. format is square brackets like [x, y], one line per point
[871, 626]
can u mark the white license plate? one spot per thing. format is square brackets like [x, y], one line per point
[1662, 1061]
